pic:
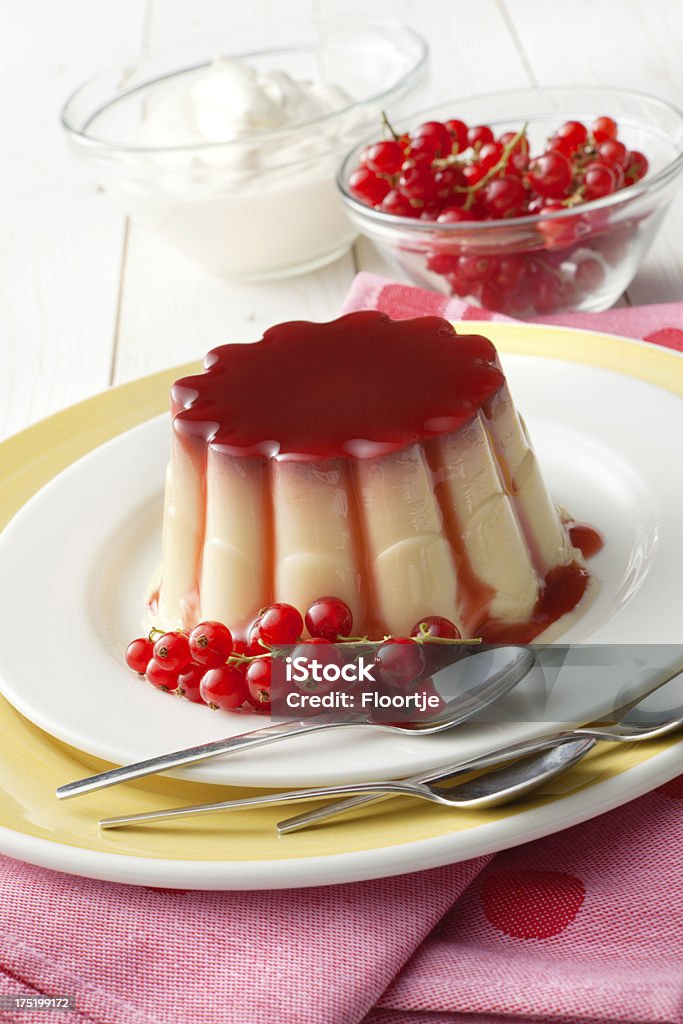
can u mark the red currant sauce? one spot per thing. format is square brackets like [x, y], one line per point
[586, 538]
[565, 585]
[362, 385]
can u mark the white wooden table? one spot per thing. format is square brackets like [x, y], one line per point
[87, 300]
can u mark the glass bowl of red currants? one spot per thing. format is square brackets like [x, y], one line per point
[527, 203]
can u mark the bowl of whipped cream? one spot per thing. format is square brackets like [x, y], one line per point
[232, 157]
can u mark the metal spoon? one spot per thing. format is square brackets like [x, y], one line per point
[637, 724]
[500, 786]
[463, 699]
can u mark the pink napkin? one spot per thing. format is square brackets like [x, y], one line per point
[583, 927]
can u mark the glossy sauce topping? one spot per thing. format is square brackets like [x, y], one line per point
[586, 538]
[361, 386]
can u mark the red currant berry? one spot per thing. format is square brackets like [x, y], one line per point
[519, 155]
[458, 130]
[224, 688]
[494, 296]
[442, 263]
[436, 625]
[598, 180]
[431, 210]
[558, 232]
[280, 624]
[510, 272]
[189, 681]
[163, 678]
[437, 131]
[446, 182]
[211, 644]
[384, 158]
[472, 174]
[479, 135]
[546, 293]
[475, 268]
[399, 661]
[604, 129]
[619, 176]
[329, 618]
[489, 155]
[569, 137]
[613, 152]
[367, 186]
[417, 181]
[253, 643]
[398, 205]
[550, 175]
[259, 681]
[455, 215]
[424, 148]
[172, 651]
[504, 197]
[138, 654]
[636, 167]
[458, 285]
[316, 655]
[519, 303]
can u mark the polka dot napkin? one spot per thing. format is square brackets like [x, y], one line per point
[661, 324]
[579, 928]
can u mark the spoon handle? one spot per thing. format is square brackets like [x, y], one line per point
[496, 757]
[177, 758]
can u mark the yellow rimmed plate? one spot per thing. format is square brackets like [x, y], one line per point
[242, 850]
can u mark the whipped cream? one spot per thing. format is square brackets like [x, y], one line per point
[229, 100]
[238, 199]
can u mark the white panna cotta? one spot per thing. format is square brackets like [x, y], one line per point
[379, 461]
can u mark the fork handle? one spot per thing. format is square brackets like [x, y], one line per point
[375, 788]
[203, 752]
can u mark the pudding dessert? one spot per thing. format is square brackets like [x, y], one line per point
[380, 461]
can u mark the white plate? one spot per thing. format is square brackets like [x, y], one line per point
[81, 552]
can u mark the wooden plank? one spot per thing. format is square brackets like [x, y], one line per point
[173, 311]
[60, 245]
[634, 43]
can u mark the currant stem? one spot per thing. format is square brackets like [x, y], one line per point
[492, 171]
[386, 123]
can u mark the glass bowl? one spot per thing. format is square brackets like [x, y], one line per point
[576, 259]
[254, 207]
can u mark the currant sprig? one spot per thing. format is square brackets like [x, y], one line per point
[207, 665]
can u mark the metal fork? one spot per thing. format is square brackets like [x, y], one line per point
[500, 786]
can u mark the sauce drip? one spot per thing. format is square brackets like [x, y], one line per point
[359, 386]
[586, 538]
[564, 587]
